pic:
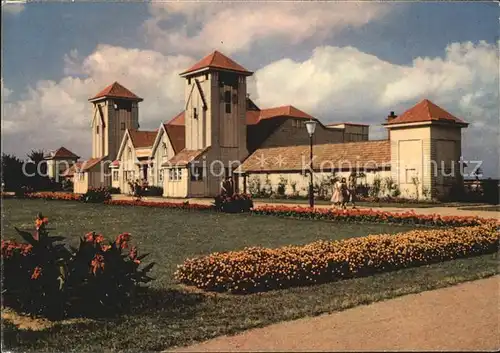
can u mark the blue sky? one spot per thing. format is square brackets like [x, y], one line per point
[36, 39]
[165, 38]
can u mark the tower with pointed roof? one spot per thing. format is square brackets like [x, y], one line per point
[215, 107]
[115, 109]
[426, 149]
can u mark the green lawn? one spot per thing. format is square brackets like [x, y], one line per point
[483, 208]
[171, 316]
[359, 204]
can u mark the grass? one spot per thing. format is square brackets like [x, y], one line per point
[359, 204]
[483, 208]
[171, 315]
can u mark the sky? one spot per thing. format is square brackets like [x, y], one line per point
[338, 61]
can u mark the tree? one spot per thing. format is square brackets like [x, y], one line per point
[12, 172]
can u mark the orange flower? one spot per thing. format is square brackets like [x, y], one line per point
[133, 255]
[89, 237]
[106, 247]
[99, 239]
[122, 239]
[41, 221]
[97, 263]
[37, 272]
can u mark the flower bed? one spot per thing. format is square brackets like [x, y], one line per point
[175, 205]
[368, 215]
[259, 269]
[349, 215]
[49, 195]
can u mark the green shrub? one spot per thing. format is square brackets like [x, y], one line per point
[152, 191]
[114, 191]
[45, 277]
[235, 204]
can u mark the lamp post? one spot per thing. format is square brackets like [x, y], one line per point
[311, 126]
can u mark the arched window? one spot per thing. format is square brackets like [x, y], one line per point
[165, 149]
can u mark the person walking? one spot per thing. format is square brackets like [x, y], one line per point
[351, 188]
[336, 199]
[344, 193]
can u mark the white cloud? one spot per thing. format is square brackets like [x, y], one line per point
[234, 27]
[334, 84]
[58, 113]
[13, 7]
[346, 84]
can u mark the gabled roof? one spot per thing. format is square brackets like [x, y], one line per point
[217, 60]
[366, 154]
[115, 90]
[350, 124]
[69, 172]
[142, 139]
[425, 111]
[176, 134]
[61, 152]
[256, 116]
[177, 120]
[80, 167]
[184, 157]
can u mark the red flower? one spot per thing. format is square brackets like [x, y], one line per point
[122, 239]
[133, 255]
[97, 264]
[37, 272]
[89, 237]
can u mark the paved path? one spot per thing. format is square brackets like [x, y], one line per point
[463, 317]
[445, 211]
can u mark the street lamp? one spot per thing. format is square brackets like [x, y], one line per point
[311, 126]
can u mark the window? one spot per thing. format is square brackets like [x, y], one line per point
[160, 175]
[410, 175]
[195, 114]
[97, 130]
[197, 174]
[123, 126]
[299, 123]
[165, 150]
[81, 176]
[115, 175]
[206, 76]
[189, 80]
[175, 174]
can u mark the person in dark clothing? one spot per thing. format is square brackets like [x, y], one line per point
[227, 187]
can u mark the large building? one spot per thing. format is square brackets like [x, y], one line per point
[222, 131]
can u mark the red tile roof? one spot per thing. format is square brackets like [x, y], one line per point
[177, 120]
[177, 136]
[89, 164]
[71, 170]
[62, 152]
[253, 117]
[425, 111]
[368, 154]
[115, 90]
[217, 60]
[184, 157]
[352, 124]
[141, 139]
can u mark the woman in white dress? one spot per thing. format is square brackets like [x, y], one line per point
[337, 198]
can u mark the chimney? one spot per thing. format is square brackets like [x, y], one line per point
[391, 117]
